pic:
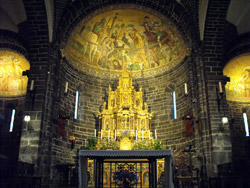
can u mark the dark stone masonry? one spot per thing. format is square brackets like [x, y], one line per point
[206, 152]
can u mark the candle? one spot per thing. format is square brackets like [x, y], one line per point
[155, 134]
[101, 133]
[220, 87]
[186, 88]
[95, 132]
[129, 123]
[32, 85]
[115, 134]
[66, 87]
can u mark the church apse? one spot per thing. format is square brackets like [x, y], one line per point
[97, 44]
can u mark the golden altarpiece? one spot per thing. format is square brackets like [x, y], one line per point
[125, 113]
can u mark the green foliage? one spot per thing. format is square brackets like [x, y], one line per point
[148, 145]
[92, 143]
[105, 144]
[157, 144]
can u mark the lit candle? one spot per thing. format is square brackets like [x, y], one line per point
[101, 133]
[220, 87]
[95, 132]
[186, 88]
[155, 134]
[66, 87]
[115, 134]
[129, 123]
[32, 85]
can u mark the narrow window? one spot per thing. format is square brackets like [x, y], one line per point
[76, 104]
[12, 120]
[174, 104]
[246, 123]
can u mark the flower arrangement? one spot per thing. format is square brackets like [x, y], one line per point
[148, 145]
[124, 178]
[124, 133]
[92, 143]
[105, 144]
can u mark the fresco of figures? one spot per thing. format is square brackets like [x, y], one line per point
[12, 65]
[143, 40]
[238, 69]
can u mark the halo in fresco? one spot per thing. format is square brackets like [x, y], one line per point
[12, 65]
[238, 69]
[148, 44]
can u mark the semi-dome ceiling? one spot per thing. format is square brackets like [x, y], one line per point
[238, 69]
[149, 44]
[12, 65]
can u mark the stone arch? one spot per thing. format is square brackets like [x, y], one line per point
[77, 10]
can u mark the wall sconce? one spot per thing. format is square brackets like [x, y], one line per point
[186, 89]
[27, 118]
[32, 93]
[219, 94]
[73, 141]
[224, 120]
[66, 88]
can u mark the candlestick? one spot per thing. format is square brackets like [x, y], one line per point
[186, 89]
[66, 87]
[220, 87]
[155, 134]
[129, 123]
[101, 133]
[32, 85]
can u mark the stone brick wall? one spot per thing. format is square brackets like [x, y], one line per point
[240, 143]
[213, 63]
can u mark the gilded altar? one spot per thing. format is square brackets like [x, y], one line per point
[125, 113]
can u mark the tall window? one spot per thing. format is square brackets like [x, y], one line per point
[174, 105]
[76, 104]
[246, 123]
[12, 120]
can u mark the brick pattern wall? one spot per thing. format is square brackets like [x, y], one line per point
[34, 36]
[213, 63]
[240, 143]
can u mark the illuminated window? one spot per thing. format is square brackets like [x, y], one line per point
[12, 120]
[174, 105]
[76, 104]
[246, 123]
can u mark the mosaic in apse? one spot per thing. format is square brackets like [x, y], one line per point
[100, 44]
[12, 65]
[238, 69]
